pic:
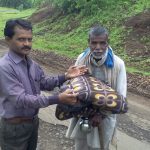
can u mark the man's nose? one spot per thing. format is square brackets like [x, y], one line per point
[26, 42]
[98, 46]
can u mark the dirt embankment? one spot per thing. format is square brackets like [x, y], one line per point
[137, 41]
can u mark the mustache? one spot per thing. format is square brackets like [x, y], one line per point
[26, 47]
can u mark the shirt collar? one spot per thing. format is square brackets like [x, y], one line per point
[15, 57]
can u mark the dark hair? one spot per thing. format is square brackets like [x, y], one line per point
[97, 30]
[11, 24]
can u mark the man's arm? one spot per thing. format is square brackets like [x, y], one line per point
[78, 61]
[49, 82]
[122, 80]
[12, 91]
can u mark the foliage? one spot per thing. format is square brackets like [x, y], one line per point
[37, 3]
[21, 4]
[87, 7]
[7, 13]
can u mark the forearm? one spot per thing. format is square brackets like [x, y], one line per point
[122, 81]
[31, 101]
[49, 83]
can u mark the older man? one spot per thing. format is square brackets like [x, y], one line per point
[109, 68]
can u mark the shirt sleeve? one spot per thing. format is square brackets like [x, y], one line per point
[12, 90]
[122, 80]
[50, 82]
[78, 60]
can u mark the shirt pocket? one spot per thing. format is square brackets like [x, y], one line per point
[37, 81]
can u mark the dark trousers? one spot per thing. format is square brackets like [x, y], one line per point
[21, 136]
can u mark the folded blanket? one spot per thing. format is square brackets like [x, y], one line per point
[94, 97]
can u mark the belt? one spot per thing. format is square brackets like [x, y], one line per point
[18, 120]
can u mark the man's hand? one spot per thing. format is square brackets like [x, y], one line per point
[68, 97]
[75, 71]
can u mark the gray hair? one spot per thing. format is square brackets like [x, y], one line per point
[97, 31]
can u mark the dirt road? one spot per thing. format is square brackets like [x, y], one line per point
[133, 127]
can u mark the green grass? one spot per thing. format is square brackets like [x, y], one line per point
[136, 71]
[5, 15]
[53, 37]
[113, 21]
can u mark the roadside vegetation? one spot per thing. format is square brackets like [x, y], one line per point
[9, 13]
[62, 26]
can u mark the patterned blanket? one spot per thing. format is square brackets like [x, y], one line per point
[94, 97]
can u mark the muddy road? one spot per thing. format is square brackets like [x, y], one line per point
[133, 127]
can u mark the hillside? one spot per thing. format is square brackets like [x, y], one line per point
[66, 35]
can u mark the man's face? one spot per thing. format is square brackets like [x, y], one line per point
[98, 44]
[21, 42]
